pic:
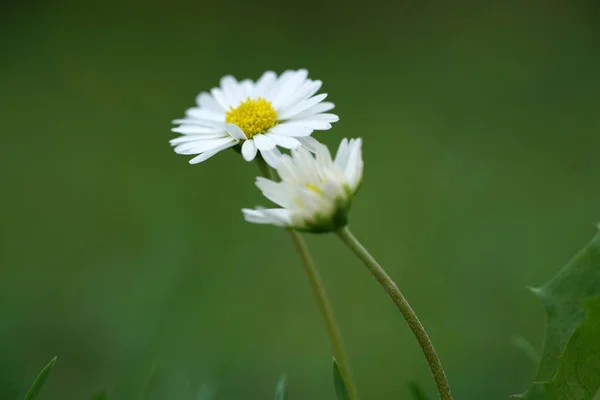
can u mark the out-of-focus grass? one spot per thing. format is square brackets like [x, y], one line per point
[481, 134]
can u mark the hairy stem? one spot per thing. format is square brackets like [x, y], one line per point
[439, 376]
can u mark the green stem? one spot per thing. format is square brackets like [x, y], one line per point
[321, 296]
[409, 315]
[327, 310]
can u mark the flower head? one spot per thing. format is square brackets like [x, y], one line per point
[315, 192]
[273, 111]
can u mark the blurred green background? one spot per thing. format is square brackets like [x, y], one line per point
[482, 171]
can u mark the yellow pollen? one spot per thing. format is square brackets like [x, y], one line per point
[314, 188]
[252, 116]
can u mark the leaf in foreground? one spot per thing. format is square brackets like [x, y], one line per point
[569, 366]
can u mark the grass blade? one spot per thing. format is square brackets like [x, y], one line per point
[40, 381]
[340, 386]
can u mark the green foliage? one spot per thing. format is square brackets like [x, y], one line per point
[40, 381]
[578, 374]
[570, 362]
[340, 386]
[281, 388]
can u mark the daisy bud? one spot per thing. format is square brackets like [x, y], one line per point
[315, 193]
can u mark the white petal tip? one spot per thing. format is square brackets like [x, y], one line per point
[235, 132]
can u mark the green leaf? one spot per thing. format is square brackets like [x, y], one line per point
[340, 386]
[578, 375]
[40, 381]
[416, 391]
[281, 388]
[569, 366]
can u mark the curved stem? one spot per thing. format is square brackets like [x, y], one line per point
[321, 296]
[439, 376]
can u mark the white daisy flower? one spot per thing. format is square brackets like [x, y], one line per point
[273, 111]
[314, 193]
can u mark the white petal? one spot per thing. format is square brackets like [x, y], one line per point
[220, 98]
[314, 110]
[287, 169]
[196, 129]
[247, 88]
[271, 157]
[291, 86]
[235, 132]
[277, 192]
[313, 124]
[201, 122]
[313, 202]
[274, 216]
[290, 129]
[286, 142]
[263, 143]
[205, 100]
[255, 216]
[354, 168]
[205, 156]
[310, 143]
[264, 84]
[341, 157]
[201, 146]
[308, 89]
[203, 113]
[249, 150]
[316, 117]
[302, 106]
[232, 91]
[306, 165]
[323, 156]
[193, 138]
[283, 78]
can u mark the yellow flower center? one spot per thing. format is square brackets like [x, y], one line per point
[252, 116]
